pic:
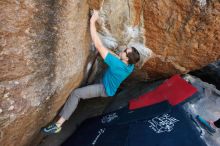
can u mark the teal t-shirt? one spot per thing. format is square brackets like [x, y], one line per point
[116, 72]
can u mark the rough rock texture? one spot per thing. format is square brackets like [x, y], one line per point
[44, 46]
[183, 34]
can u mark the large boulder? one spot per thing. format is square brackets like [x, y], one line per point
[43, 53]
[44, 47]
[183, 34]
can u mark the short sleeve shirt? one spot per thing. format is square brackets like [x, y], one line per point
[115, 74]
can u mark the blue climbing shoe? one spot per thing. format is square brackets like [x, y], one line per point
[205, 124]
[51, 129]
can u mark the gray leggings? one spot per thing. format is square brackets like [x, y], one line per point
[96, 90]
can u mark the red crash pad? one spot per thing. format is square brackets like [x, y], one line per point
[175, 90]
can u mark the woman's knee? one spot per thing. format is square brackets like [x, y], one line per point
[75, 93]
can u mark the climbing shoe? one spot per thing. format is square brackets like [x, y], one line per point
[51, 129]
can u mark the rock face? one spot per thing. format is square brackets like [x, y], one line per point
[183, 34]
[44, 46]
[43, 53]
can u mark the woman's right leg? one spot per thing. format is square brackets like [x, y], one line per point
[91, 91]
[96, 90]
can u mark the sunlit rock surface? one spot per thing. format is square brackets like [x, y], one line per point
[183, 34]
[44, 47]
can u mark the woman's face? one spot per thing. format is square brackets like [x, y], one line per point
[123, 54]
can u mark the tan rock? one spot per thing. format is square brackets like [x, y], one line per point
[184, 30]
[44, 48]
[183, 34]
